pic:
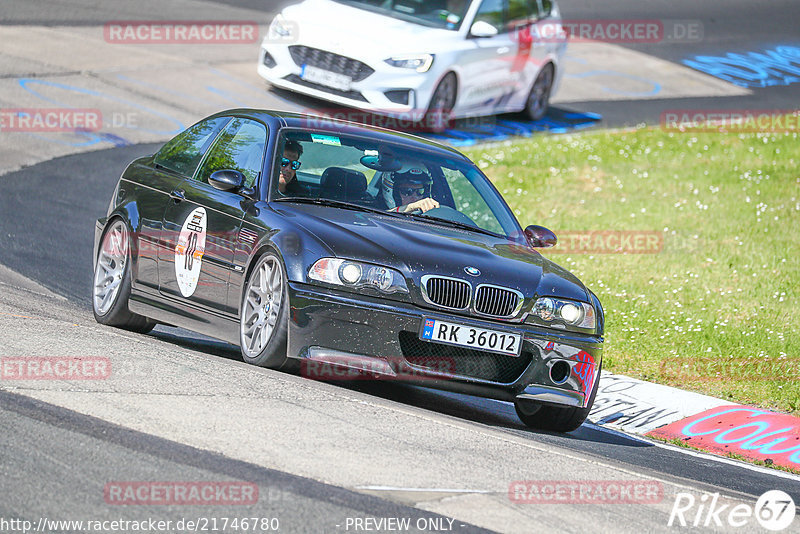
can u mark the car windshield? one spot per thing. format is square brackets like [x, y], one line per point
[446, 14]
[390, 178]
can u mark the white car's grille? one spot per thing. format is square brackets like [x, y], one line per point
[322, 59]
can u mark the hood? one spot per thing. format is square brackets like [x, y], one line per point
[417, 248]
[359, 33]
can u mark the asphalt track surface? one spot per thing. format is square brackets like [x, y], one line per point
[65, 478]
[47, 214]
[49, 240]
[733, 26]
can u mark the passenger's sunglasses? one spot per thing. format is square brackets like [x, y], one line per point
[286, 161]
[406, 191]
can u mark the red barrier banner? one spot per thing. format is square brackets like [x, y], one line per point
[749, 432]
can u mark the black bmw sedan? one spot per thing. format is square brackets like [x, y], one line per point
[345, 251]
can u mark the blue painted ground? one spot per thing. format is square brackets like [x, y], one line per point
[502, 127]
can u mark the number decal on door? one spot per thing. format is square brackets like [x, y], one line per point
[189, 251]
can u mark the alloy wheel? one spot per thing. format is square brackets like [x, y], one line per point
[261, 306]
[110, 270]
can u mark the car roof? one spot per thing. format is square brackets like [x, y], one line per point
[285, 119]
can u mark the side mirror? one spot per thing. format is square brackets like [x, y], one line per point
[540, 237]
[226, 180]
[482, 29]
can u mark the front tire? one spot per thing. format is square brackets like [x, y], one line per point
[554, 418]
[539, 97]
[263, 323]
[112, 282]
[440, 109]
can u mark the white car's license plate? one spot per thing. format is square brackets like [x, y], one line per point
[468, 336]
[326, 77]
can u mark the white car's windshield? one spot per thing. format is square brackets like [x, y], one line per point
[446, 14]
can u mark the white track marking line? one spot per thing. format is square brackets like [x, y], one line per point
[432, 490]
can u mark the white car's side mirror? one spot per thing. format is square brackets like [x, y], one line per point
[482, 29]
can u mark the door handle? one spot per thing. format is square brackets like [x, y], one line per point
[178, 195]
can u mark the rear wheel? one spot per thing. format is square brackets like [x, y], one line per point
[263, 323]
[539, 97]
[558, 419]
[112, 282]
[440, 109]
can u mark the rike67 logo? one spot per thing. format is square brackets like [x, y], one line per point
[774, 510]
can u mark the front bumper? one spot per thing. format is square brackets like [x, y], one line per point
[368, 94]
[330, 330]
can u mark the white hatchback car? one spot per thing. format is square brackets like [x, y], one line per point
[419, 59]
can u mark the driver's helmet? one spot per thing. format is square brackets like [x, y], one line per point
[413, 174]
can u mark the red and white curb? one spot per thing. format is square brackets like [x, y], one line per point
[710, 424]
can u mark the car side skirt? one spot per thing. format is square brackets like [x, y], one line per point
[218, 326]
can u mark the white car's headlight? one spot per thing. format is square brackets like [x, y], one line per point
[419, 62]
[568, 312]
[357, 275]
[281, 29]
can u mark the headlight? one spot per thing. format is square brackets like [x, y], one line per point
[357, 275]
[281, 29]
[420, 63]
[570, 313]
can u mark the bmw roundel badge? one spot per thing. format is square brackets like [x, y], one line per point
[472, 271]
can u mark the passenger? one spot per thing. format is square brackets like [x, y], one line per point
[287, 182]
[409, 191]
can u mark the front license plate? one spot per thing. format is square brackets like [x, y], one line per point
[471, 337]
[326, 77]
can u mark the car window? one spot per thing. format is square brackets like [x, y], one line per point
[363, 172]
[521, 12]
[317, 156]
[240, 147]
[446, 14]
[547, 8]
[491, 11]
[469, 201]
[184, 151]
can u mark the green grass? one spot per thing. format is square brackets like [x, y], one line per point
[716, 310]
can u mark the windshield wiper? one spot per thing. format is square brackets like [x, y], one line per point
[455, 224]
[330, 202]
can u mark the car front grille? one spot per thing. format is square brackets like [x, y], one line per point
[496, 301]
[459, 361]
[322, 59]
[448, 292]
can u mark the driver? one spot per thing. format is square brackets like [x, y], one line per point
[409, 190]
